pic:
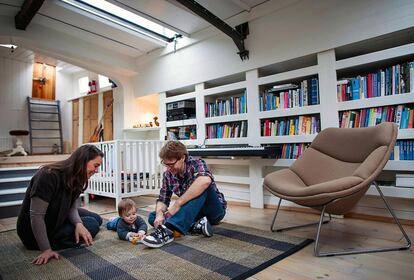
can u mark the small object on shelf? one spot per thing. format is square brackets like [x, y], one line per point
[284, 86]
[92, 87]
[156, 122]
[150, 124]
[171, 135]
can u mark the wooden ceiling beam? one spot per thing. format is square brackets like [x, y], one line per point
[26, 13]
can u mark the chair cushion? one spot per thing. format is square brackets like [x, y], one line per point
[370, 165]
[354, 144]
[287, 185]
[314, 167]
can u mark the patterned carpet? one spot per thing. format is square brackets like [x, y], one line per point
[234, 252]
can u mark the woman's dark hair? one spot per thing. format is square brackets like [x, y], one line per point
[74, 167]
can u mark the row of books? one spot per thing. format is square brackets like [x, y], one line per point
[301, 125]
[182, 133]
[402, 115]
[228, 106]
[293, 151]
[403, 150]
[227, 130]
[396, 79]
[290, 95]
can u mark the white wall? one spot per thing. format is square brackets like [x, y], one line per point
[301, 28]
[16, 85]
[64, 88]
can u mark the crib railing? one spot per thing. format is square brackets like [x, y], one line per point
[129, 168]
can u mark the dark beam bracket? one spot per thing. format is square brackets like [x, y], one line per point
[237, 34]
[26, 13]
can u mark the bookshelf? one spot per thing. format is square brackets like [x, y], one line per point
[326, 67]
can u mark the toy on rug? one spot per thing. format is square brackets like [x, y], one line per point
[136, 239]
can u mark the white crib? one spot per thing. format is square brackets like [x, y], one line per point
[129, 168]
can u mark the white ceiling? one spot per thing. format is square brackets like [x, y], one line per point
[29, 56]
[68, 20]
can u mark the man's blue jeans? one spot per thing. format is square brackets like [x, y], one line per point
[207, 204]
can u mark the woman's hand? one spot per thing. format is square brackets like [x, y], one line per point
[81, 231]
[45, 256]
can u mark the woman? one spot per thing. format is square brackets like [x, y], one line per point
[49, 218]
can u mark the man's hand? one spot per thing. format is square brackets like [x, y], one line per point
[159, 220]
[45, 256]
[81, 231]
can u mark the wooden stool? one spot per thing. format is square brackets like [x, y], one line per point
[19, 143]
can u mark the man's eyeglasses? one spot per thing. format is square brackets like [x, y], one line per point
[169, 164]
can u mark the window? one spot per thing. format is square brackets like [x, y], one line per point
[83, 84]
[125, 18]
[104, 82]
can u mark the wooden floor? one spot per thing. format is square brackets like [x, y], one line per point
[340, 233]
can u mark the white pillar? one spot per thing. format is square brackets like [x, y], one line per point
[256, 183]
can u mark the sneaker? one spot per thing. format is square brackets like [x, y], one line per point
[161, 236]
[203, 226]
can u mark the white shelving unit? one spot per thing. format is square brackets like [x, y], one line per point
[298, 111]
[287, 139]
[327, 68]
[228, 118]
[368, 62]
[144, 133]
[376, 102]
[181, 123]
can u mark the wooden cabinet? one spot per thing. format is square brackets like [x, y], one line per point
[90, 116]
[75, 124]
[108, 118]
[86, 114]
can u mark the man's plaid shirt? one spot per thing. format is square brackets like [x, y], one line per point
[175, 184]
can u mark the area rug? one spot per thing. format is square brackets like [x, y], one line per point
[234, 252]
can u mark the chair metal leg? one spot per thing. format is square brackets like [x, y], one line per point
[372, 250]
[293, 227]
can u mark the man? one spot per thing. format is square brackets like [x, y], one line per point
[199, 202]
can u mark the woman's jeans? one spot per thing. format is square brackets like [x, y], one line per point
[65, 237]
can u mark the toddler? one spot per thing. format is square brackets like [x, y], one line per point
[130, 225]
